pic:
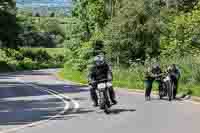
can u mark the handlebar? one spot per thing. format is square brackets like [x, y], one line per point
[161, 75]
[103, 80]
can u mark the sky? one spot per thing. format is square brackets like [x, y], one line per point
[48, 3]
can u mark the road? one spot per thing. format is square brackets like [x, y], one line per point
[37, 102]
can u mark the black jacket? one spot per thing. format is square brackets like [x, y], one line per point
[97, 73]
[152, 72]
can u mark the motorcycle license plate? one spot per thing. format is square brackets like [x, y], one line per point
[167, 79]
[101, 86]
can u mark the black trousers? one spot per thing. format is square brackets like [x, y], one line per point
[94, 96]
[175, 81]
[148, 86]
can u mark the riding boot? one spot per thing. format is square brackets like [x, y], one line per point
[148, 86]
[94, 96]
[112, 95]
[175, 89]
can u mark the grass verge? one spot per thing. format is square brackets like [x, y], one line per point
[125, 79]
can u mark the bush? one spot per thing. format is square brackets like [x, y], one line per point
[42, 56]
[59, 58]
[27, 64]
[28, 53]
[4, 67]
[196, 73]
[29, 58]
[2, 55]
[14, 64]
[14, 54]
[39, 55]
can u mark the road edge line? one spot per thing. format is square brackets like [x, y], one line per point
[41, 121]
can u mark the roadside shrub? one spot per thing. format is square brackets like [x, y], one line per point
[36, 55]
[2, 55]
[27, 64]
[59, 58]
[13, 64]
[80, 59]
[28, 53]
[4, 67]
[196, 73]
[12, 53]
[29, 58]
[42, 56]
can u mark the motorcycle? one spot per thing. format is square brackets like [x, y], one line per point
[102, 91]
[166, 86]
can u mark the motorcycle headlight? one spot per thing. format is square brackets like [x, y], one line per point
[101, 86]
[109, 84]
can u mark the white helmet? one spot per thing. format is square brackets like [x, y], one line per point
[99, 60]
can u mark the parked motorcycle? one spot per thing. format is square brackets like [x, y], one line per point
[167, 86]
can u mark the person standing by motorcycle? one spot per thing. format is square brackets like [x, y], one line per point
[175, 76]
[100, 70]
[150, 76]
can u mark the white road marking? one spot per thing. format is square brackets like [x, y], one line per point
[76, 104]
[54, 93]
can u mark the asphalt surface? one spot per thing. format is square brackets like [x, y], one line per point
[27, 98]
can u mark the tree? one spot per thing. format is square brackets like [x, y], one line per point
[52, 14]
[92, 14]
[9, 24]
[134, 31]
[37, 14]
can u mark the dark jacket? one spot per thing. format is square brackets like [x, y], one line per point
[175, 72]
[97, 73]
[152, 72]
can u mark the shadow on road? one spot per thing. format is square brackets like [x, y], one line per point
[118, 111]
[166, 99]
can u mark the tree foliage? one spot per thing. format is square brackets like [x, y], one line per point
[138, 29]
[9, 26]
[134, 31]
[180, 31]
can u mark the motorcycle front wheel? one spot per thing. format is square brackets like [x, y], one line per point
[106, 103]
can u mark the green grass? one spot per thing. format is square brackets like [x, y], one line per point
[73, 75]
[133, 78]
[124, 80]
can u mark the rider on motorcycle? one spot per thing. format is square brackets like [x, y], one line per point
[100, 70]
[175, 76]
[150, 76]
